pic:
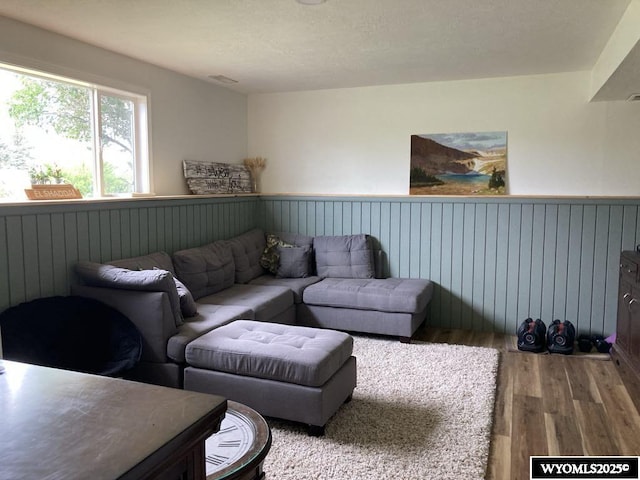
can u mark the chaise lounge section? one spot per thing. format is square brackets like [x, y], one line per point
[390, 306]
[335, 285]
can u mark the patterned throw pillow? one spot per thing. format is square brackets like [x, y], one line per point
[270, 258]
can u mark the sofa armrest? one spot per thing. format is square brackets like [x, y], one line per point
[150, 312]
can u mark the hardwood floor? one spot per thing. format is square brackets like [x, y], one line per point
[553, 405]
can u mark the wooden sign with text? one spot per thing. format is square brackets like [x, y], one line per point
[208, 177]
[63, 191]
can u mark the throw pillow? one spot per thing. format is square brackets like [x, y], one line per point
[270, 257]
[187, 303]
[294, 262]
[100, 275]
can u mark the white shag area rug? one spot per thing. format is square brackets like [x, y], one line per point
[419, 411]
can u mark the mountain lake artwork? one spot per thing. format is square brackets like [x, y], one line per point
[473, 163]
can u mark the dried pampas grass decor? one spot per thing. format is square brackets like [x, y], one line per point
[255, 166]
[255, 163]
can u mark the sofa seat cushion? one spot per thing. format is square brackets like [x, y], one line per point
[292, 354]
[265, 302]
[405, 295]
[208, 318]
[297, 285]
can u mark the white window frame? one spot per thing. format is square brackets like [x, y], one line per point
[141, 127]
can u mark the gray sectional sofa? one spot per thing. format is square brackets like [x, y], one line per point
[178, 300]
[326, 282]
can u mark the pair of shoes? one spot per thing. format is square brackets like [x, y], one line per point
[533, 336]
[587, 342]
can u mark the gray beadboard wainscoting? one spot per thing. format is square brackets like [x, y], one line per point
[495, 260]
[40, 243]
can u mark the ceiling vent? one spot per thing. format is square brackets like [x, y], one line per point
[222, 79]
[634, 97]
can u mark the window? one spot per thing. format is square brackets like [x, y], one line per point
[58, 130]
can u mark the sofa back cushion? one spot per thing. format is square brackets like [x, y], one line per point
[346, 256]
[247, 250]
[153, 280]
[160, 260]
[205, 270]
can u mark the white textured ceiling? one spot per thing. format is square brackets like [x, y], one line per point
[280, 45]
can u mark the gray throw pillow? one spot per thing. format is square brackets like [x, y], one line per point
[346, 256]
[300, 240]
[188, 305]
[109, 276]
[294, 262]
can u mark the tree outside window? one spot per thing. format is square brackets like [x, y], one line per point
[53, 131]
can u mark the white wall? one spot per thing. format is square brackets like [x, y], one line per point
[614, 74]
[190, 119]
[357, 140]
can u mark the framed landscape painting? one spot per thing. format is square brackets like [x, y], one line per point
[472, 163]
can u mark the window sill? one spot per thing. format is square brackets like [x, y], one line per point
[132, 198]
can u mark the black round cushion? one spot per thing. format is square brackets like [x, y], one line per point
[73, 333]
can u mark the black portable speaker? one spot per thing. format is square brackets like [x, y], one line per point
[531, 335]
[561, 337]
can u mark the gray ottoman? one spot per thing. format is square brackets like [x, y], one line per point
[295, 373]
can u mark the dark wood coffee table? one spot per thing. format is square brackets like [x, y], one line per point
[238, 450]
[61, 424]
